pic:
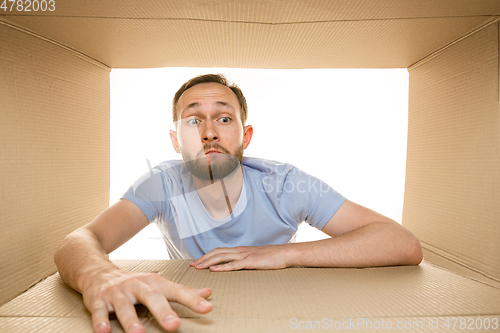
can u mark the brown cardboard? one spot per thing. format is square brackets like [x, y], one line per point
[252, 34]
[453, 173]
[54, 102]
[279, 11]
[443, 261]
[54, 161]
[246, 301]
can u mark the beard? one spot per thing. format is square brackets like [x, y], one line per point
[213, 166]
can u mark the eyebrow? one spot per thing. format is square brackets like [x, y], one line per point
[197, 104]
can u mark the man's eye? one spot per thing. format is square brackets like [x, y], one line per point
[193, 122]
[225, 120]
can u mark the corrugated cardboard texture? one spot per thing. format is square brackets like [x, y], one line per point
[54, 165]
[54, 102]
[440, 260]
[276, 11]
[258, 34]
[250, 301]
[453, 164]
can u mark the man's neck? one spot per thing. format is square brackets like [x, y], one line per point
[220, 196]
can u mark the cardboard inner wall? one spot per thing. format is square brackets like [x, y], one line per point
[258, 34]
[337, 44]
[54, 166]
[453, 163]
[54, 105]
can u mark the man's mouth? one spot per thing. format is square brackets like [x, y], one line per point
[212, 151]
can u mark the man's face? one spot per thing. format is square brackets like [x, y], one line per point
[210, 135]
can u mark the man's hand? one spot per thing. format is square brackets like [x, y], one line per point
[243, 257]
[117, 291]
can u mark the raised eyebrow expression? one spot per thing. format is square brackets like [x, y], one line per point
[196, 105]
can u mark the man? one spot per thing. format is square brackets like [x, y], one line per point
[225, 211]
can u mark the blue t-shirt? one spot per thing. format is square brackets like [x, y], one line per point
[275, 198]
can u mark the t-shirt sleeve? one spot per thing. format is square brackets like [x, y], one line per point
[307, 198]
[150, 195]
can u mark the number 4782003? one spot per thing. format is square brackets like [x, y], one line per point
[471, 323]
[28, 5]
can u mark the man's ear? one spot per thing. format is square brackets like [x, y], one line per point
[247, 135]
[175, 142]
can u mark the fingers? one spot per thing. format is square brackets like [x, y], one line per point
[244, 257]
[150, 290]
[220, 256]
[155, 292]
[191, 298]
[100, 318]
[230, 266]
[205, 292]
[158, 305]
[125, 311]
[216, 252]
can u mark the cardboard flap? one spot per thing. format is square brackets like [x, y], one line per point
[54, 166]
[253, 34]
[244, 300]
[453, 164]
[402, 291]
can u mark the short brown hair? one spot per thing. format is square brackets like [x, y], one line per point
[209, 78]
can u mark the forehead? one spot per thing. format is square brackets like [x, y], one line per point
[208, 94]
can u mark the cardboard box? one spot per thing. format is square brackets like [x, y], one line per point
[408, 298]
[54, 104]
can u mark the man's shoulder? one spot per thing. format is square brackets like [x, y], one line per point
[170, 167]
[170, 164]
[167, 172]
[267, 167]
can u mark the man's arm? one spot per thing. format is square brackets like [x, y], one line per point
[82, 261]
[360, 238]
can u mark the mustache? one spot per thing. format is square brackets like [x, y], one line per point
[215, 146]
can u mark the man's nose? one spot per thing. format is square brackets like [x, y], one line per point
[209, 132]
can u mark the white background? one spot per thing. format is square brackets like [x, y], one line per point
[347, 127]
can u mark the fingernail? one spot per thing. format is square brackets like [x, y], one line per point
[101, 326]
[135, 327]
[168, 319]
[204, 303]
